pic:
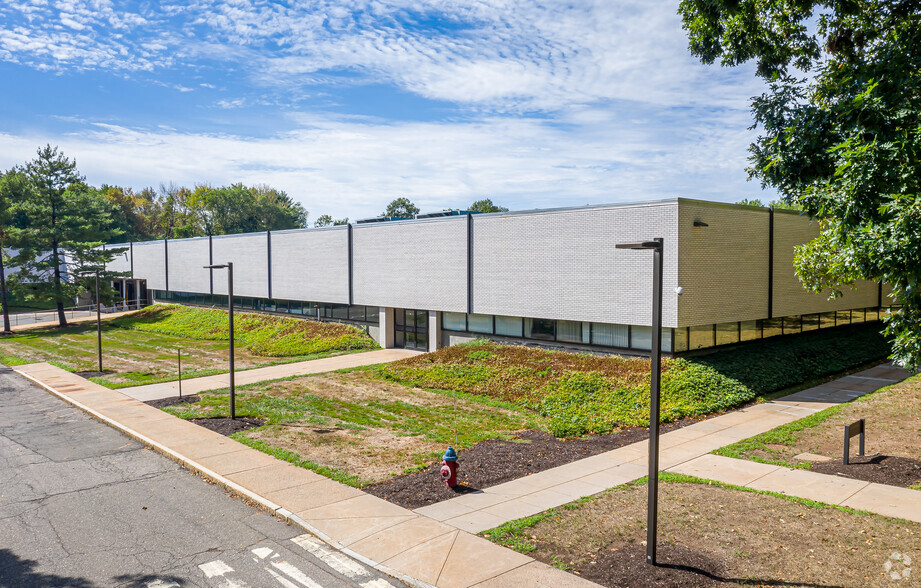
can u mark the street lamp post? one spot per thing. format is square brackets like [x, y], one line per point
[229, 267]
[98, 324]
[655, 360]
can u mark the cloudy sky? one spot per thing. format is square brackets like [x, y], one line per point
[348, 104]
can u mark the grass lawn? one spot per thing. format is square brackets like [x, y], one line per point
[357, 429]
[581, 393]
[733, 535]
[893, 428]
[140, 348]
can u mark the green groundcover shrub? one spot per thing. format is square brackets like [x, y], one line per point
[264, 335]
[581, 394]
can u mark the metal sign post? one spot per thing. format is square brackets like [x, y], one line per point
[229, 267]
[179, 360]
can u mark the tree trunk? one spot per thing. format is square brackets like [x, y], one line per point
[56, 258]
[3, 300]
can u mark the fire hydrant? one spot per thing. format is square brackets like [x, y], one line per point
[449, 467]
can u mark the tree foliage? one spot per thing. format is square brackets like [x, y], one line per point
[840, 132]
[486, 205]
[60, 223]
[401, 208]
[773, 203]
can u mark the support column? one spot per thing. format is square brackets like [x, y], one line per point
[385, 323]
[434, 330]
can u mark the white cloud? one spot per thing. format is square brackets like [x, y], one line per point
[354, 167]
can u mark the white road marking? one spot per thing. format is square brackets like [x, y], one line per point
[296, 574]
[215, 568]
[281, 579]
[377, 583]
[263, 552]
[162, 584]
[333, 559]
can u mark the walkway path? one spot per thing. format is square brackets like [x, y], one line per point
[686, 450]
[396, 541]
[274, 372]
[72, 319]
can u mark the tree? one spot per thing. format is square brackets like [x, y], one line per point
[486, 205]
[401, 208]
[61, 226]
[775, 203]
[13, 188]
[840, 129]
[324, 220]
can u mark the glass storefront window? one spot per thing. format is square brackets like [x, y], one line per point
[570, 331]
[750, 330]
[700, 337]
[792, 324]
[454, 321]
[827, 320]
[727, 333]
[872, 314]
[611, 335]
[843, 317]
[681, 339]
[540, 329]
[810, 322]
[373, 314]
[341, 311]
[857, 316]
[772, 327]
[479, 323]
[641, 338]
[356, 313]
[510, 326]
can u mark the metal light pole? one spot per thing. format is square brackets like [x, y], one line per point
[229, 267]
[98, 324]
[655, 361]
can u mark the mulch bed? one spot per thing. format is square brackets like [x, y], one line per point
[882, 469]
[624, 564]
[226, 426]
[493, 462]
[222, 425]
[173, 401]
[94, 374]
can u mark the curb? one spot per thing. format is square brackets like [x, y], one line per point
[262, 503]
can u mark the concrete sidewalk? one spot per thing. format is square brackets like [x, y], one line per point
[397, 541]
[274, 372]
[684, 450]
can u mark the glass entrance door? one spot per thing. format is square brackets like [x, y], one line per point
[411, 328]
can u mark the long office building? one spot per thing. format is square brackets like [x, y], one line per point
[549, 276]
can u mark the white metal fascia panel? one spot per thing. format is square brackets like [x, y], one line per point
[121, 262]
[311, 265]
[563, 264]
[187, 261]
[249, 255]
[149, 264]
[419, 264]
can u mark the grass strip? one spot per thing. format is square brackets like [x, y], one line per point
[295, 459]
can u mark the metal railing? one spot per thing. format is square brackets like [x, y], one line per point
[87, 310]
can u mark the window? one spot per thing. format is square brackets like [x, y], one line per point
[750, 330]
[510, 326]
[641, 338]
[872, 314]
[827, 320]
[540, 329]
[666, 339]
[570, 331]
[792, 324]
[454, 321]
[611, 335]
[772, 327]
[857, 316]
[341, 311]
[810, 322]
[700, 336]
[727, 333]
[479, 323]
[372, 314]
[843, 317]
[680, 339]
[356, 313]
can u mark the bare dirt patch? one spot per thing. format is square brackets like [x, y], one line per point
[882, 469]
[496, 461]
[228, 427]
[710, 535]
[173, 401]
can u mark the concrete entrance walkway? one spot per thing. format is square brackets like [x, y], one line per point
[686, 450]
[397, 541]
[274, 372]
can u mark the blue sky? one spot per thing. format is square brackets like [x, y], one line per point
[347, 105]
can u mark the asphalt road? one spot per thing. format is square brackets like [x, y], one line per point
[83, 505]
